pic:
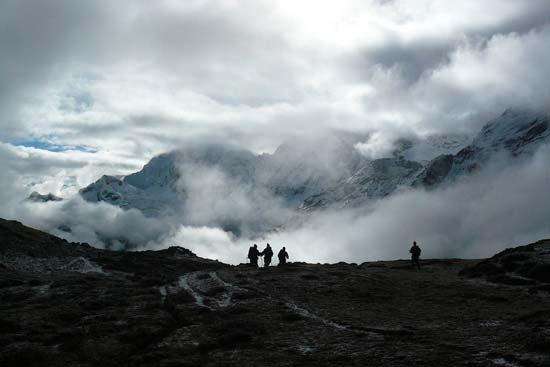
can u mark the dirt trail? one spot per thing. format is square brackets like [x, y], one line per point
[208, 289]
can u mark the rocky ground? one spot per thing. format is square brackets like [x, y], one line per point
[67, 304]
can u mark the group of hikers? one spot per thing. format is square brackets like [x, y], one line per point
[267, 253]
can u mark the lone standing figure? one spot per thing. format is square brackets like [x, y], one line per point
[415, 255]
[283, 256]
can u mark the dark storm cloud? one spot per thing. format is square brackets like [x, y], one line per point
[533, 15]
[240, 58]
[409, 60]
[412, 58]
[143, 75]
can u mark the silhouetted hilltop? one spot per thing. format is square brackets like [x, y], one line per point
[523, 265]
[27, 250]
[67, 304]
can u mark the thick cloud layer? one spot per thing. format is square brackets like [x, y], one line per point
[504, 205]
[139, 78]
[115, 83]
[216, 198]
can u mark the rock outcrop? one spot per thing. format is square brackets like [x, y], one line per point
[523, 265]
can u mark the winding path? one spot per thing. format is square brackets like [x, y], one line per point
[212, 292]
[208, 289]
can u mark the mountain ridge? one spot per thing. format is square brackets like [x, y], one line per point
[310, 176]
[518, 133]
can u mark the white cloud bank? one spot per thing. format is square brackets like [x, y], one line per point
[503, 205]
[139, 78]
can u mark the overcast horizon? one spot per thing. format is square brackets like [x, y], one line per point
[94, 88]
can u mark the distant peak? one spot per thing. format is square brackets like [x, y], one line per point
[37, 197]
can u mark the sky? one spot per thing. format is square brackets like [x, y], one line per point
[89, 88]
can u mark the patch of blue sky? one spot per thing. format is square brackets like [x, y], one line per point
[47, 144]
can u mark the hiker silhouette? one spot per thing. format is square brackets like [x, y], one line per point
[253, 254]
[267, 253]
[283, 256]
[415, 255]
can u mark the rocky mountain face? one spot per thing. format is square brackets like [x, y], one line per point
[319, 174]
[67, 304]
[373, 179]
[152, 201]
[291, 174]
[515, 133]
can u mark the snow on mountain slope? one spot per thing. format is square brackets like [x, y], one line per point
[294, 172]
[373, 180]
[159, 187]
[312, 173]
[152, 201]
[298, 170]
[427, 149]
[516, 133]
[159, 172]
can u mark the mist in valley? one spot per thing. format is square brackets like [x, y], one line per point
[502, 205]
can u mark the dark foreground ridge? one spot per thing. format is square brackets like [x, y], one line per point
[67, 304]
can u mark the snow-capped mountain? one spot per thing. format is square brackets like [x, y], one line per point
[152, 201]
[298, 170]
[425, 150]
[311, 174]
[157, 188]
[374, 179]
[515, 133]
[292, 173]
